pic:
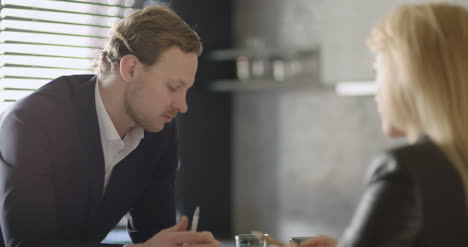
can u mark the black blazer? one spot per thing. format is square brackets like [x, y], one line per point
[52, 173]
[415, 197]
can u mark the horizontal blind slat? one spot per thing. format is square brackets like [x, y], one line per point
[58, 17]
[54, 28]
[124, 3]
[13, 94]
[4, 105]
[68, 6]
[48, 73]
[56, 39]
[50, 50]
[22, 83]
[58, 62]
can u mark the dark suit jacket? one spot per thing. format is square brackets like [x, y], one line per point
[415, 197]
[52, 172]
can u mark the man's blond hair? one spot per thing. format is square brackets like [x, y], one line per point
[146, 34]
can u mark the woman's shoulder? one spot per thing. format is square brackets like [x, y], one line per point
[403, 161]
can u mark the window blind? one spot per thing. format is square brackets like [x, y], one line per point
[44, 39]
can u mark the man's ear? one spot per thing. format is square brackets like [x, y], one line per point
[128, 66]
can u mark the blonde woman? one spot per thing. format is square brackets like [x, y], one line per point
[417, 193]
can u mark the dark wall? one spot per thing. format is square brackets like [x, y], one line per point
[205, 130]
[205, 178]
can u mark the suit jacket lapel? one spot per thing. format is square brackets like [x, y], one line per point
[90, 141]
[120, 193]
[128, 180]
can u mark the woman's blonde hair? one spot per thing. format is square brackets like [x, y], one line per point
[146, 34]
[426, 49]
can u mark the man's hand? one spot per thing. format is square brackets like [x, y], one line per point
[319, 241]
[178, 236]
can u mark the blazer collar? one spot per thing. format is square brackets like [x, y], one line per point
[90, 140]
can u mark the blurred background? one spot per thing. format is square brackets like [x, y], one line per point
[282, 123]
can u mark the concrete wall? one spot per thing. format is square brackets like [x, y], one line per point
[300, 156]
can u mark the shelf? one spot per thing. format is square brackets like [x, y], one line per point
[262, 85]
[356, 88]
[232, 54]
[278, 68]
[348, 88]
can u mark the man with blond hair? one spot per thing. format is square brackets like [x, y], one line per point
[84, 150]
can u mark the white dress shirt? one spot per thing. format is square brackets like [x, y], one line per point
[114, 148]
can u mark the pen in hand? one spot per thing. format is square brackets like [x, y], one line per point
[196, 215]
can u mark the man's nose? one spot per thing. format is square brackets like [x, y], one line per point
[181, 105]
